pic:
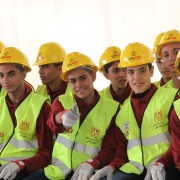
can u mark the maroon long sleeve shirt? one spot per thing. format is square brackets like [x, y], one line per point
[43, 134]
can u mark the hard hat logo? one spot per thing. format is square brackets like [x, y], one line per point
[171, 37]
[72, 62]
[40, 57]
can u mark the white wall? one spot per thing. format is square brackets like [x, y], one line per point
[88, 26]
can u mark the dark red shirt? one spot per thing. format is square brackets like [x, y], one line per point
[43, 134]
[121, 98]
[60, 91]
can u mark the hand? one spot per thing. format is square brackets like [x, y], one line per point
[70, 117]
[148, 174]
[158, 172]
[83, 172]
[106, 171]
[10, 170]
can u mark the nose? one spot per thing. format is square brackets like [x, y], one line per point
[122, 72]
[40, 70]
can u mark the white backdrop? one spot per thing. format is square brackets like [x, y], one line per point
[88, 26]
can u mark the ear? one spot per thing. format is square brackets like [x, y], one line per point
[152, 71]
[94, 76]
[24, 73]
[106, 75]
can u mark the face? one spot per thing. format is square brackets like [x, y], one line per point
[169, 53]
[11, 78]
[81, 82]
[139, 78]
[117, 76]
[49, 73]
[163, 69]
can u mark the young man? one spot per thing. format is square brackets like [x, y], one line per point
[163, 69]
[168, 48]
[50, 59]
[25, 141]
[119, 89]
[84, 122]
[143, 119]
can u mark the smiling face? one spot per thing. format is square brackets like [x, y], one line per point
[81, 81]
[139, 78]
[169, 53]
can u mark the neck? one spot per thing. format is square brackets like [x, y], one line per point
[16, 96]
[55, 86]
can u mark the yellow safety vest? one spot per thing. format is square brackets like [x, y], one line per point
[84, 142]
[177, 107]
[2, 92]
[19, 142]
[42, 90]
[106, 93]
[152, 139]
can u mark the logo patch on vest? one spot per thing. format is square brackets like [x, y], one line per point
[1, 134]
[94, 132]
[125, 129]
[24, 126]
[158, 116]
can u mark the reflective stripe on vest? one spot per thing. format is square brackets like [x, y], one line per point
[84, 142]
[20, 142]
[145, 145]
[177, 107]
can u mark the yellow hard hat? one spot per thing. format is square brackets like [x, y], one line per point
[76, 60]
[51, 52]
[156, 42]
[2, 46]
[171, 36]
[109, 55]
[15, 56]
[177, 63]
[135, 54]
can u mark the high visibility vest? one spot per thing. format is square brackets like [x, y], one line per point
[152, 139]
[42, 90]
[177, 107]
[19, 142]
[157, 83]
[169, 84]
[84, 142]
[106, 93]
[2, 92]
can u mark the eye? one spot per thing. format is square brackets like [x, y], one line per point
[11, 74]
[83, 78]
[1, 75]
[72, 81]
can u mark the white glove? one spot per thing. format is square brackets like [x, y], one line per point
[106, 171]
[158, 172]
[10, 170]
[2, 167]
[148, 174]
[70, 117]
[83, 172]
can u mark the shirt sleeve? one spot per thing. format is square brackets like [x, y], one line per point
[175, 134]
[55, 109]
[172, 155]
[45, 142]
[120, 156]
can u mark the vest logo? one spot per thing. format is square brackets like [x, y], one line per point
[125, 129]
[1, 134]
[158, 116]
[94, 132]
[24, 125]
